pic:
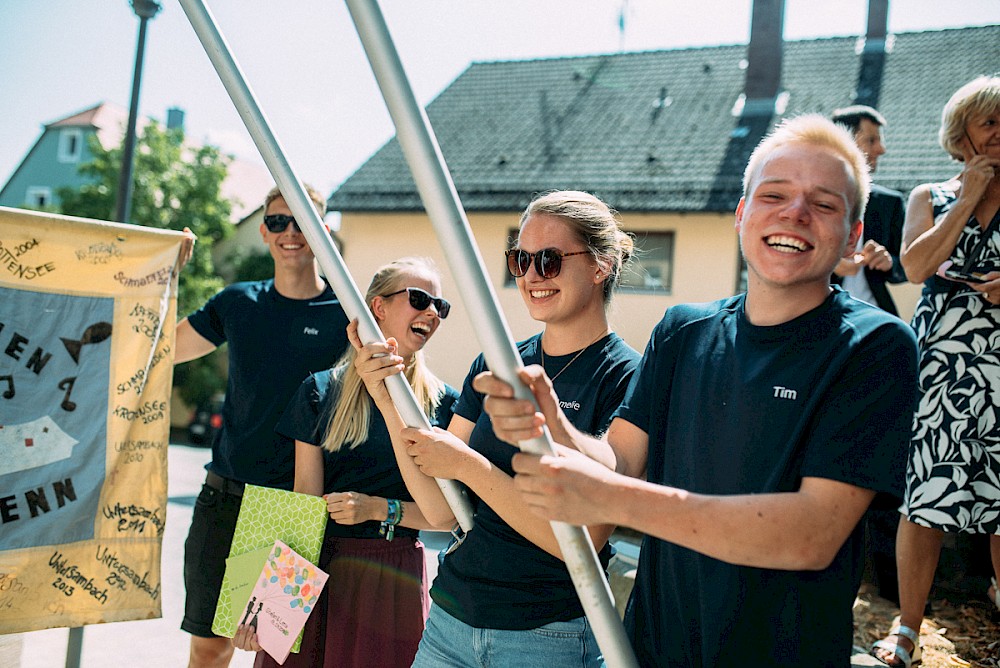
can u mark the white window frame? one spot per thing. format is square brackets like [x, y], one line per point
[33, 193]
[637, 277]
[70, 145]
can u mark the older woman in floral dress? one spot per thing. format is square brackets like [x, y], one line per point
[953, 478]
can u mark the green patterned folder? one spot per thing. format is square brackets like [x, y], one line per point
[266, 515]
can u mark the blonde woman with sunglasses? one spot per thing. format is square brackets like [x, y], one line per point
[372, 612]
[504, 594]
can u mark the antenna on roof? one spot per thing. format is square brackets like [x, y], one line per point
[622, 16]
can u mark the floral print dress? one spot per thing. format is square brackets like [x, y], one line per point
[953, 476]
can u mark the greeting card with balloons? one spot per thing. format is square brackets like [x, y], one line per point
[266, 514]
[285, 595]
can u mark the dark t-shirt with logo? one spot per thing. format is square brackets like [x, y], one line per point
[274, 344]
[498, 579]
[369, 467]
[733, 408]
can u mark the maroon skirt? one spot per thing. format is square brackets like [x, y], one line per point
[372, 611]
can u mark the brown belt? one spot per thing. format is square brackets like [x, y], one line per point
[224, 485]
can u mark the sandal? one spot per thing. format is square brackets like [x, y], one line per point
[899, 652]
[995, 596]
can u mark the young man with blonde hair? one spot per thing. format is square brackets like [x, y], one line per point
[279, 331]
[744, 448]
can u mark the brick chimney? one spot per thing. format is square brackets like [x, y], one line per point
[873, 54]
[175, 118]
[878, 26]
[763, 80]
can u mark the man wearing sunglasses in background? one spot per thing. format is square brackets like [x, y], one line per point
[279, 331]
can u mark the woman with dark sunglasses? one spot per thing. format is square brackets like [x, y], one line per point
[373, 610]
[503, 596]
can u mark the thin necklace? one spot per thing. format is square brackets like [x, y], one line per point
[578, 353]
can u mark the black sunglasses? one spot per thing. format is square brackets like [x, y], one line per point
[420, 300]
[277, 222]
[548, 261]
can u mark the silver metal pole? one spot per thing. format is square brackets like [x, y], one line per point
[311, 225]
[74, 647]
[440, 199]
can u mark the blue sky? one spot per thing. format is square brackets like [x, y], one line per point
[305, 63]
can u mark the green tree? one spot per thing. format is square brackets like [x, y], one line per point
[176, 185]
[251, 266]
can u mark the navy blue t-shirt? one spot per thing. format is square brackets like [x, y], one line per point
[733, 408]
[496, 578]
[369, 467]
[274, 344]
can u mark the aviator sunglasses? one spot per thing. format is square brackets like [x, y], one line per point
[548, 261]
[277, 222]
[420, 300]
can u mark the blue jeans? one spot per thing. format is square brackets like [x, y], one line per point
[449, 642]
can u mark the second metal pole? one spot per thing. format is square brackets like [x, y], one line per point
[440, 198]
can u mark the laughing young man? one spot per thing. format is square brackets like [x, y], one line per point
[279, 331]
[744, 448]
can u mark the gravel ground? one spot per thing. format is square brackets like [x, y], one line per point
[955, 633]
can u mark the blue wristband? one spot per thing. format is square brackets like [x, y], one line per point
[393, 517]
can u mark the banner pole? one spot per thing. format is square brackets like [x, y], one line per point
[440, 199]
[310, 223]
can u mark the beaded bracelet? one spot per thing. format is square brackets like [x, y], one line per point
[395, 516]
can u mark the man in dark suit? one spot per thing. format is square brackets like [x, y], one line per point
[876, 259]
[874, 264]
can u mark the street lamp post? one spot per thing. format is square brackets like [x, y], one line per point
[145, 10]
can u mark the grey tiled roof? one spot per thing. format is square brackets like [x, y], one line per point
[653, 131]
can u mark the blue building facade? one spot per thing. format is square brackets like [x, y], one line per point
[54, 160]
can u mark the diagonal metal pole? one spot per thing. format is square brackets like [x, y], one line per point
[440, 199]
[311, 225]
